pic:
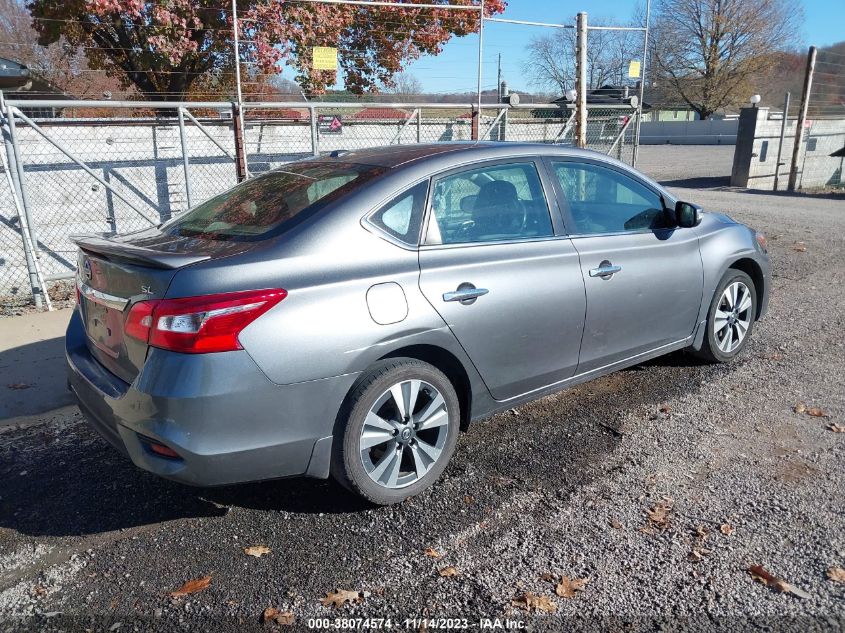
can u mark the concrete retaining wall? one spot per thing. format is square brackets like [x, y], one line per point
[709, 132]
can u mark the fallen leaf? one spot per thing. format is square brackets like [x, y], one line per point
[701, 533]
[429, 551]
[800, 407]
[774, 356]
[816, 412]
[528, 601]
[38, 591]
[727, 529]
[835, 428]
[799, 247]
[616, 524]
[567, 587]
[469, 500]
[192, 586]
[658, 516]
[448, 572]
[836, 574]
[339, 597]
[19, 385]
[271, 614]
[760, 574]
[665, 408]
[257, 550]
[697, 554]
[547, 577]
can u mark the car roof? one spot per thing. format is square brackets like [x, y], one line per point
[435, 157]
[400, 155]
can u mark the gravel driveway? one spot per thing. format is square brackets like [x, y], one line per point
[661, 485]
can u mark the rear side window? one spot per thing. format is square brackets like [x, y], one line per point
[401, 217]
[265, 205]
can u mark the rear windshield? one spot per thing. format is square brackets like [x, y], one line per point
[262, 206]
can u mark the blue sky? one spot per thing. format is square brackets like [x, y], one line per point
[454, 70]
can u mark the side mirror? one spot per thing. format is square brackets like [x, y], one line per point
[687, 215]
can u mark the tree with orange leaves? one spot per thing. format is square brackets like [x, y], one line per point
[163, 47]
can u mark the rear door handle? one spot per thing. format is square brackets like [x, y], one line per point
[606, 270]
[466, 294]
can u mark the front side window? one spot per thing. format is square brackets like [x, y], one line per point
[603, 200]
[261, 206]
[489, 204]
[401, 217]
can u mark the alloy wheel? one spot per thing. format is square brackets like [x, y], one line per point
[404, 433]
[732, 317]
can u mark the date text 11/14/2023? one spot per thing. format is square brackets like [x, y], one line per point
[416, 624]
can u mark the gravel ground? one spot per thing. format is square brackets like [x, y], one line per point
[561, 487]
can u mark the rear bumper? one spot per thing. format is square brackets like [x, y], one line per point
[219, 412]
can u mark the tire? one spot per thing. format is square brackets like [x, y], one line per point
[372, 433]
[716, 347]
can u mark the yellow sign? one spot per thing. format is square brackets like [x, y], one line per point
[325, 58]
[634, 69]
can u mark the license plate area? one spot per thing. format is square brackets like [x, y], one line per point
[104, 327]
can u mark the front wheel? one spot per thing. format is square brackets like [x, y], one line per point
[397, 431]
[731, 317]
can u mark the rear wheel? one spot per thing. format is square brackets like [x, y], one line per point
[731, 317]
[397, 431]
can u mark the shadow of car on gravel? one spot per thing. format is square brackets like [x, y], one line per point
[64, 480]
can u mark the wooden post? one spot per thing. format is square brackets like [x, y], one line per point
[802, 118]
[240, 153]
[581, 81]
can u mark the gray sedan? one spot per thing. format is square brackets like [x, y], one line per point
[350, 314]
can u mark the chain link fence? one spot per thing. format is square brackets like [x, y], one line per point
[102, 167]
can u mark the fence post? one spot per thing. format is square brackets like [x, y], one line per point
[581, 81]
[419, 125]
[782, 136]
[476, 115]
[16, 186]
[315, 138]
[240, 154]
[10, 118]
[802, 117]
[185, 164]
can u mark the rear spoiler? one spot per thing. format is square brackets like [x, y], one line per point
[114, 250]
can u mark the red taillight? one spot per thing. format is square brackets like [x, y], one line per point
[139, 321]
[197, 325]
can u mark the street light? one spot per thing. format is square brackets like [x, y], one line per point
[755, 99]
[570, 95]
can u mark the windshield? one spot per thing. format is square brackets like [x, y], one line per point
[260, 206]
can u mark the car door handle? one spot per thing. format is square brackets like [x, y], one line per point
[605, 270]
[466, 295]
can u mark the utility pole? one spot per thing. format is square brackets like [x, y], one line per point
[581, 81]
[802, 118]
[499, 81]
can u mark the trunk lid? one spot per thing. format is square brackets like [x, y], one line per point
[113, 273]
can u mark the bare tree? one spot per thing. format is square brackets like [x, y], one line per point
[551, 58]
[406, 86]
[713, 54]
